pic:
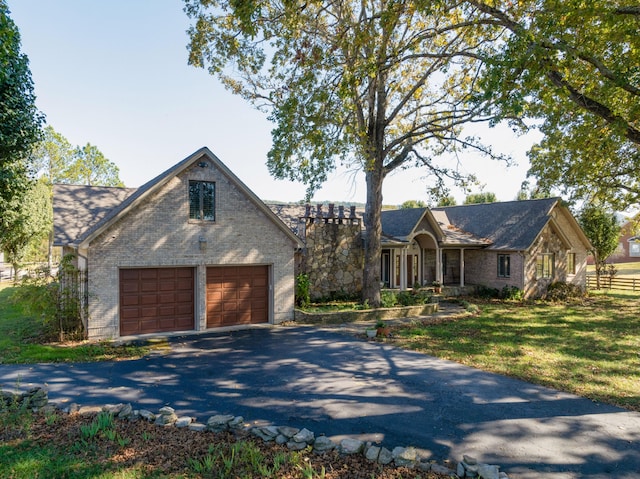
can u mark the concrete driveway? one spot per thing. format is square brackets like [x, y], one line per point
[339, 385]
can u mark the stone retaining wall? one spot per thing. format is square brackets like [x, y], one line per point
[339, 317]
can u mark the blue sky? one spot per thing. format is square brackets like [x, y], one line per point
[114, 73]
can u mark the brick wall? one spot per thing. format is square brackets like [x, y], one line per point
[159, 233]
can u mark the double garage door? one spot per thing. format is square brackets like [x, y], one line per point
[163, 299]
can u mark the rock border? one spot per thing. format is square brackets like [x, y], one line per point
[295, 439]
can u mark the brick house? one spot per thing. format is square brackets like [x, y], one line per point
[190, 250]
[523, 244]
[527, 244]
[629, 244]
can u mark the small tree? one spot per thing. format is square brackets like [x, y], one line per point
[602, 229]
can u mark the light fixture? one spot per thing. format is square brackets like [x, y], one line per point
[202, 241]
[203, 164]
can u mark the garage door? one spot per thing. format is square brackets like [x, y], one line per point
[156, 300]
[237, 295]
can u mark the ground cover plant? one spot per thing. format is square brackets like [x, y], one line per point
[589, 347]
[23, 339]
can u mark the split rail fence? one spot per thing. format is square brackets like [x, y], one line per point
[607, 282]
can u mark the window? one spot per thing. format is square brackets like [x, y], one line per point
[634, 247]
[544, 265]
[504, 266]
[202, 200]
[571, 263]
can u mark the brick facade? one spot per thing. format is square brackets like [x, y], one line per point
[158, 233]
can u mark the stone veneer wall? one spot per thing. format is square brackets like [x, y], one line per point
[334, 255]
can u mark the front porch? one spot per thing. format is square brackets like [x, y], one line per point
[422, 263]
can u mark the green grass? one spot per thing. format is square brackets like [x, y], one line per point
[591, 349]
[625, 270]
[20, 340]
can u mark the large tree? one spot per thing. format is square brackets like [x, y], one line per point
[380, 85]
[20, 122]
[574, 65]
[27, 223]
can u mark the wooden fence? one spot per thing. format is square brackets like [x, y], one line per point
[607, 282]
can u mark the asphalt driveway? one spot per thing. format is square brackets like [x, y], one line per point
[339, 385]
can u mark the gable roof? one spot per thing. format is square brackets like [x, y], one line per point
[132, 199]
[77, 208]
[511, 225]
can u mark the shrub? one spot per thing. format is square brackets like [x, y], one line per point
[388, 299]
[561, 291]
[57, 300]
[512, 293]
[303, 294]
[485, 292]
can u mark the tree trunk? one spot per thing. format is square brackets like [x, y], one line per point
[372, 220]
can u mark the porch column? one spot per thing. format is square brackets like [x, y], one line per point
[403, 269]
[439, 265]
[462, 267]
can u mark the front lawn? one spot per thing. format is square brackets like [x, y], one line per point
[589, 348]
[21, 339]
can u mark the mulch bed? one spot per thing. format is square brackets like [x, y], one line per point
[168, 450]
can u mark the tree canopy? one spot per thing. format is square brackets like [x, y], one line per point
[574, 65]
[380, 85]
[60, 162]
[20, 122]
[483, 197]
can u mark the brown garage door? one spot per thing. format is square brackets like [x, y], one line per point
[156, 300]
[237, 295]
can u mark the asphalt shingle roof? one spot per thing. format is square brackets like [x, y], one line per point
[78, 208]
[512, 225]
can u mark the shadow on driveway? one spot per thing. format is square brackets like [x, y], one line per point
[341, 386]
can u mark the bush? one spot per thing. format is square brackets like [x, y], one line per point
[303, 294]
[512, 293]
[57, 300]
[561, 291]
[388, 299]
[485, 292]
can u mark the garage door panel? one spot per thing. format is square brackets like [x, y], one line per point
[231, 295]
[156, 300]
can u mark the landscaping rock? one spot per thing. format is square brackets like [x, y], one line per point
[219, 422]
[147, 415]
[296, 446]
[372, 452]
[438, 469]
[236, 423]
[487, 471]
[197, 426]
[183, 421]
[266, 433]
[404, 457]
[385, 457]
[304, 436]
[351, 446]
[323, 444]
[288, 431]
